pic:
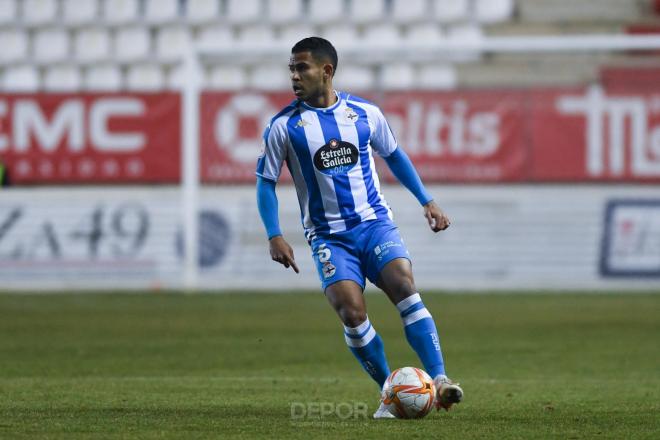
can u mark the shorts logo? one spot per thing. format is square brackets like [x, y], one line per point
[384, 248]
[328, 270]
[336, 157]
[324, 255]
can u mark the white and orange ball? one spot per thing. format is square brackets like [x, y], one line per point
[409, 393]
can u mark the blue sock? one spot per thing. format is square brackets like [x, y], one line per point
[368, 348]
[422, 334]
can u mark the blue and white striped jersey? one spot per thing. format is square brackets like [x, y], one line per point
[329, 153]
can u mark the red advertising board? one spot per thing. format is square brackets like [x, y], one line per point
[590, 134]
[98, 138]
[461, 137]
[231, 127]
[595, 135]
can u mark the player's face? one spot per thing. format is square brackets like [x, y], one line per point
[309, 77]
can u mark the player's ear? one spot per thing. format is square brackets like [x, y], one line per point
[328, 71]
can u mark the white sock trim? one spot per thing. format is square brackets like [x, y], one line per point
[359, 329]
[361, 342]
[412, 299]
[416, 316]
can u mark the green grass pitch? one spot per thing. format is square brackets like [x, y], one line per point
[154, 366]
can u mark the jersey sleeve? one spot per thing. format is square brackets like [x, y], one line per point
[275, 141]
[382, 139]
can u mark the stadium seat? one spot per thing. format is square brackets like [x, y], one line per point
[448, 11]
[226, 78]
[256, 34]
[50, 45]
[493, 11]
[215, 36]
[91, 44]
[145, 77]
[21, 78]
[354, 78]
[102, 78]
[161, 11]
[405, 11]
[243, 11]
[76, 12]
[14, 44]
[397, 76]
[465, 34]
[284, 11]
[436, 77]
[269, 77]
[172, 42]
[132, 43]
[39, 12]
[366, 11]
[64, 78]
[8, 11]
[294, 33]
[382, 33]
[423, 33]
[120, 11]
[202, 11]
[324, 11]
[341, 34]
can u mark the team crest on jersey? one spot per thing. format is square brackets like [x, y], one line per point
[351, 115]
[336, 157]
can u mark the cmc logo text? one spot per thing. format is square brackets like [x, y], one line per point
[73, 121]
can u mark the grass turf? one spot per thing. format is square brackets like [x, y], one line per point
[231, 366]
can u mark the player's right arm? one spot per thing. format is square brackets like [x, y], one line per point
[269, 167]
[280, 250]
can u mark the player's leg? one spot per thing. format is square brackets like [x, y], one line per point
[396, 280]
[347, 299]
[343, 282]
[388, 266]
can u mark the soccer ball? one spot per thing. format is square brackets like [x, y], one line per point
[409, 393]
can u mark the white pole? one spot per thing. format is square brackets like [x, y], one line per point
[190, 169]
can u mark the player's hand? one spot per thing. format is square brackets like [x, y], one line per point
[281, 252]
[437, 219]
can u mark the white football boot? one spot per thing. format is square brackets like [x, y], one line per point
[383, 413]
[447, 392]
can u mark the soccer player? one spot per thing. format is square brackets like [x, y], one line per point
[327, 139]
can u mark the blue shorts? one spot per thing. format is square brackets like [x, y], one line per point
[358, 253]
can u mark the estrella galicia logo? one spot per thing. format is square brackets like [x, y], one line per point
[336, 157]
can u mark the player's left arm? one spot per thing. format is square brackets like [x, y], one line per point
[404, 170]
[384, 143]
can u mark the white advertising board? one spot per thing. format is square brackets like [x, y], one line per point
[501, 237]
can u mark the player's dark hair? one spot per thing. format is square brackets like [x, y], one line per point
[320, 48]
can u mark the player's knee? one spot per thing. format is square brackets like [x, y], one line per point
[404, 286]
[352, 317]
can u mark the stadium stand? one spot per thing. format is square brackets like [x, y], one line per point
[116, 44]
